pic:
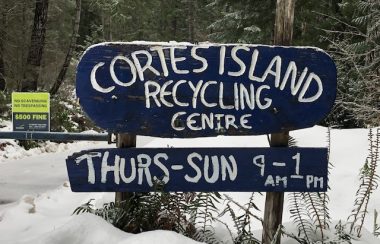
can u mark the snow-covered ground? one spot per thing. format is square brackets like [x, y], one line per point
[36, 203]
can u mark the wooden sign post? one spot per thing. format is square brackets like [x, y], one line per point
[124, 141]
[274, 202]
[187, 90]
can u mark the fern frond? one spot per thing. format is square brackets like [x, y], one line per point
[324, 196]
[85, 208]
[242, 222]
[316, 209]
[369, 182]
[292, 142]
[294, 237]
[300, 216]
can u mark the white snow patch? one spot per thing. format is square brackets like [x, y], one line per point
[38, 203]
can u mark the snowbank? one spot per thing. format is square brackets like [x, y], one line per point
[40, 203]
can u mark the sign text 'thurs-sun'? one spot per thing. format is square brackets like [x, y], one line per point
[199, 169]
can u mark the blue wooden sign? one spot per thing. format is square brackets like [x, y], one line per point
[186, 90]
[199, 169]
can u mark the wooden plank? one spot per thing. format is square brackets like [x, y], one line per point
[199, 169]
[186, 90]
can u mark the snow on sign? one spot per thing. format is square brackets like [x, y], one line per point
[188, 90]
[199, 169]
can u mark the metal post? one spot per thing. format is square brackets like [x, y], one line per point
[54, 136]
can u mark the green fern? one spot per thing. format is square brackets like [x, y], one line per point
[87, 207]
[309, 210]
[341, 235]
[300, 217]
[190, 214]
[203, 212]
[242, 222]
[369, 182]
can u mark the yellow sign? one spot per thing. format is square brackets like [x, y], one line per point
[31, 111]
[31, 102]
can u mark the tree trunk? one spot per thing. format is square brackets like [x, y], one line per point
[174, 23]
[2, 40]
[70, 51]
[108, 25]
[191, 20]
[274, 202]
[37, 43]
[283, 27]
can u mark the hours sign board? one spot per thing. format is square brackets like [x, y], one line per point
[196, 90]
[31, 111]
[187, 90]
[199, 169]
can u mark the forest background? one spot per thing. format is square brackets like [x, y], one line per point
[41, 41]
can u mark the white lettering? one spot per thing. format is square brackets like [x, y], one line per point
[230, 168]
[244, 121]
[152, 94]
[260, 164]
[132, 69]
[175, 99]
[309, 180]
[190, 161]
[203, 90]
[230, 121]
[190, 122]
[196, 90]
[174, 119]
[248, 97]
[144, 161]
[276, 61]
[238, 60]
[174, 60]
[269, 181]
[311, 77]
[106, 168]
[252, 68]
[148, 64]
[164, 93]
[199, 58]
[95, 84]
[161, 55]
[292, 69]
[157, 162]
[207, 120]
[267, 100]
[123, 171]
[280, 179]
[215, 169]
[221, 105]
[90, 165]
[222, 58]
